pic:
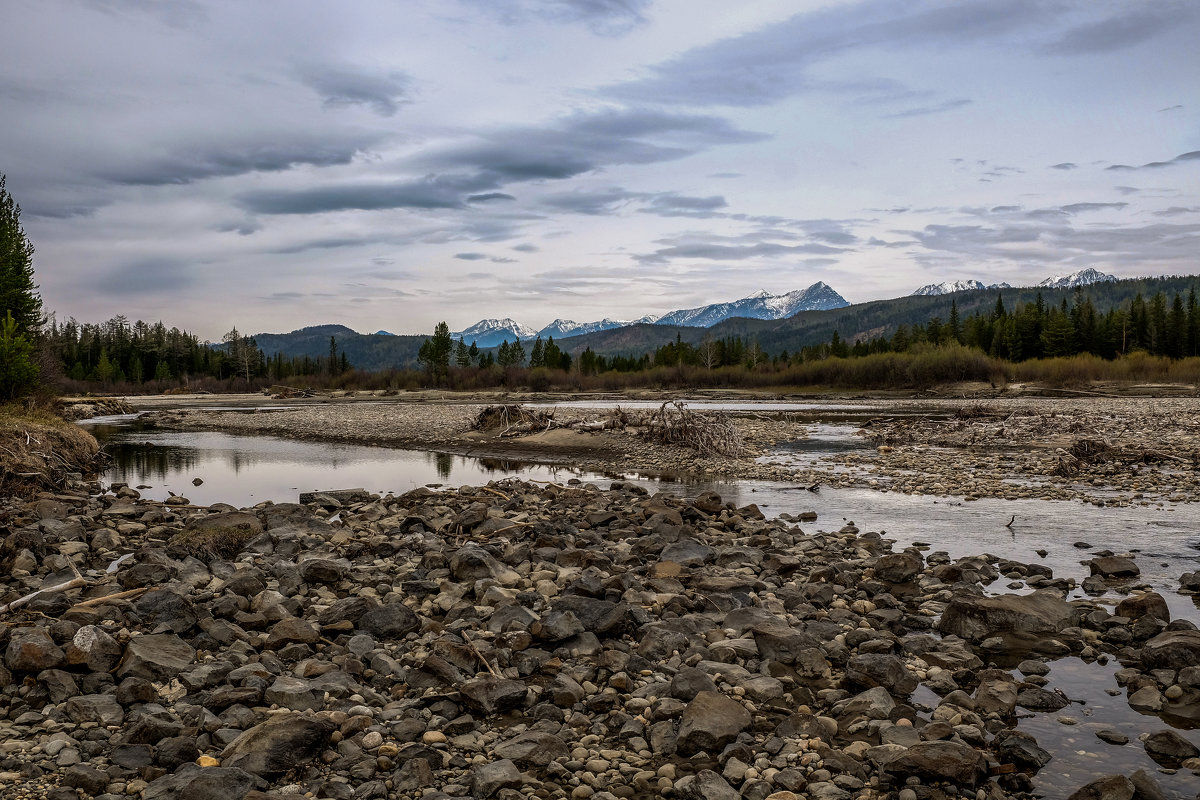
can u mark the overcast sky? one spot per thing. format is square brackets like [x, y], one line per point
[392, 163]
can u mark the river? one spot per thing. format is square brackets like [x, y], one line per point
[245, 470]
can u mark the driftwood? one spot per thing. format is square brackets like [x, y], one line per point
[708, 434]
[1090, 452]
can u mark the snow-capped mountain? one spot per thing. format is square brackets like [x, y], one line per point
[760, 305]
[561, 328]
[947, 287]
[491, 332]
[1084, 277]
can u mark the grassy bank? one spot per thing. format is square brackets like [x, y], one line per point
[38, 449]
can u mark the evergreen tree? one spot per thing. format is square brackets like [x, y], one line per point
[537, 356]
[473, 352]
[18, 373]
[18, 292]
[442, 345]
[462, 356]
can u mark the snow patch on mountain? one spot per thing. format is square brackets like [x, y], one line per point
[760, 305]
[491, 332]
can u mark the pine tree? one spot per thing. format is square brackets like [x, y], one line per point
[18, 373]
[462, 356]
[18, 292]
[537, 356]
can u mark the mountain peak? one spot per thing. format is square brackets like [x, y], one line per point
[1084, 277]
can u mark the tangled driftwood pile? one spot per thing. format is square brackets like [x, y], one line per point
[1086, 453]
[672, 423]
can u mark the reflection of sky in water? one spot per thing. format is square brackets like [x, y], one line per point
[244, 470]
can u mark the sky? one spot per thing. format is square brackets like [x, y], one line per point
[388, 164]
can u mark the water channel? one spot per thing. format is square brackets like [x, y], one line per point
[243, 470]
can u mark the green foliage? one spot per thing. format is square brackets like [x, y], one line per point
[18, 372]
[18, 292]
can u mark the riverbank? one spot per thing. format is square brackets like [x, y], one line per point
[523, 640]
[1106, 451]
[40, 452]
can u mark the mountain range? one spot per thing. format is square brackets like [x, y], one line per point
[1084, 277]
[381, 351]
[760, 305]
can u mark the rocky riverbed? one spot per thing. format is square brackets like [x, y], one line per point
[523, 640]
[1106, 451]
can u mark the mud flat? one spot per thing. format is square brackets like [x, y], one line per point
[522, 640]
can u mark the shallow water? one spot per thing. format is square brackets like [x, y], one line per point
[243, 470]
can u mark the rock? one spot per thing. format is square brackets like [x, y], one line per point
[155, 657]
[996, 696]
[531, 749]
[86, 778]
[294, 693]
[488, 779]
[1035, 698]
[322, 571]
[490, 694]
[941, 761]
[689, 682]
[392, 621]
[1145, 787]
[1113, 567]
[292, 630]
[32, 650]
[705, 785]
[165, 608]
[194, 782]
[1021, 749]
[1146, 604]
[879, 669]
[1168, 749]
[1110, 787]
[93, 648]
[1172, 650]
[1112, 737]
[99, 708]
[976, 617]
[271, 748]
[709, 723]
[898, 567]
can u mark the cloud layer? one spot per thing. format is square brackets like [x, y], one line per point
[277, 166]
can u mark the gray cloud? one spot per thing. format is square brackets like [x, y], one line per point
[1065, 165]
[592, 202]
[471, 256]
[146, 276]
[436, 192]
[187, 165]
[488, 197]
[564, 148]
[676, 205]
[526, 248]
[767, 65]
[948, 105]
[1075, 208]
[1194, 155]
[605, 17]
[177, 14]
[341, 87]
[1145, 21]
[1176, 107]
[720, 252]
[1175, 211]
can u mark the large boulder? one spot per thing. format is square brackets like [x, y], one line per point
[490, 694]
[32, 650]
[1110, 787]
[941, 761]
[976, 618]
[1167, 748]
[92, 647]
[709, 723]
[156, 657]
[1146, 604]
[200, 783]
[880, 669]
[1172, 650]
[271, 748]
[898, 567]
[531, 749]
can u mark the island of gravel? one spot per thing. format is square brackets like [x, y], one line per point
[522, 640]
[1106, 451]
